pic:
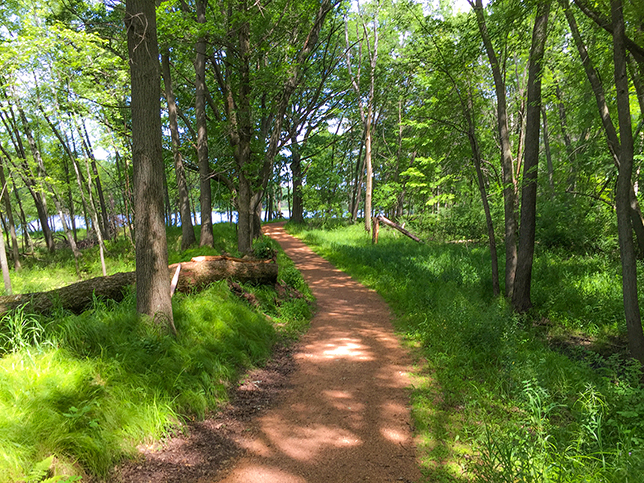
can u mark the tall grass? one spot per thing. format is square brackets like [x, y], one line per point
[492, 401]
[87, 389]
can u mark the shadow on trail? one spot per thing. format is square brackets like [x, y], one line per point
[345, 418]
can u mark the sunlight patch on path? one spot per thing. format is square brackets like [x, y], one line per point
[345, 418]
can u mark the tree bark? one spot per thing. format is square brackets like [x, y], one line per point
[570, 152]
[40, 198]
[28, 244]
[357, 185]
[206, 237]
[94, 179]
[152, 283]
[476, 155]
[521, 294]
[4, 265]
[127, 195]
[187, 230]
[385, 221]
[624, 187]
[296, 170]
[12, 226]
[193, 276]
[94, 213]
[546, 146]
[70, 200]
[507, 165]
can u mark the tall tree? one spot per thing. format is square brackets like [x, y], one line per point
[507, 163]
[367, 29]
[521, 294]
[187, 230]
[205, 198]
[624, 187]
[256, 81]
[152, 282]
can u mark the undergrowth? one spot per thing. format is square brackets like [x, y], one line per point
[492, 401]
[78, 393]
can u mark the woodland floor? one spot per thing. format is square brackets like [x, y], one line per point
[332, 408]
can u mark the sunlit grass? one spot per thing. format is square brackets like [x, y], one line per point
[87, 389]
[493, 402]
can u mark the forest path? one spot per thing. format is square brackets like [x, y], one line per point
[345, 416]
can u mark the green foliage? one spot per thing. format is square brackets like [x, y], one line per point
[493, 401]
[20, 332]
[264, 247]
[78, 393]
[576, 226]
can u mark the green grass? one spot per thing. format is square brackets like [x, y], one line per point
[87, 389]
[491, 400]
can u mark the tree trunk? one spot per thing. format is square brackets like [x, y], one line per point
[357, 185]
[4, 265]
[127, 195]
[23, 219]
[546, 145]
[152, 283]
[206, 238]
[187, 230]
[244, 230]
[476, 155]
[70, 200]
[521, 294]
[385, 221]
[68, 234]
[570, 152]
[93, 211]
[193, 276]
[79, 181]
[296, 170]
[104, 223]
[40, 197]
[369, 185]
[624, 187]
[366, 111]
[507, 164]
[12, 226]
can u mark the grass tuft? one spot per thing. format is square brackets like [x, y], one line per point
[493, 401]
[78, 393]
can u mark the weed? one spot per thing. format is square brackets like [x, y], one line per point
[21, 331]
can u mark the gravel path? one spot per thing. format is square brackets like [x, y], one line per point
[345, 417]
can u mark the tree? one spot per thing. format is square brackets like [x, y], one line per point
[187, 230]
[366, 26]
[507, 163]
[624, 227]
[152, 284]
[205, 197]
[521, 293]
[256, 80]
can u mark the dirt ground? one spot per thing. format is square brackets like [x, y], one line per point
[333, 408]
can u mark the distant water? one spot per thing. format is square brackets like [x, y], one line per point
[217, 217]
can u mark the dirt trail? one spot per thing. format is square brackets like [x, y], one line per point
[332, 409]
[345, 416]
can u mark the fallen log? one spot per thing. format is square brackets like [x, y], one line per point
[390, 223]
[193, 276]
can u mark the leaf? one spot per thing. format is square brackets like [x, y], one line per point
[40, 469]
[628, 414]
